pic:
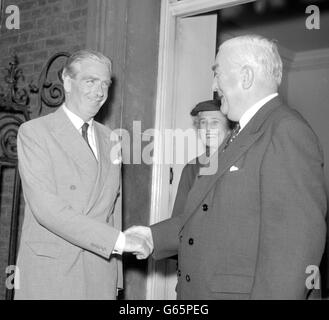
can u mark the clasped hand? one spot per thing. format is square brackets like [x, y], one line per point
[139, 241]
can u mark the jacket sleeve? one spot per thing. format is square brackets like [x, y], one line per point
[166, 233]
[293, 208]
[50, 211]
[165, 238]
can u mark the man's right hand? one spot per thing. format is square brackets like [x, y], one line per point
[139, 241]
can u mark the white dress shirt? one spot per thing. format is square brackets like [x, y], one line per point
[248, 115]
[78, 123]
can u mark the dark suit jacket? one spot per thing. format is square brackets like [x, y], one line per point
[251, 233]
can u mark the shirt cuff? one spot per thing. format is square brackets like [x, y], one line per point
[120, 244]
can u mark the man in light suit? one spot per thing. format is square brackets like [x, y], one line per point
[250, 230]
[70, 168]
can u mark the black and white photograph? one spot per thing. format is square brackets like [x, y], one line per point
[164, 150]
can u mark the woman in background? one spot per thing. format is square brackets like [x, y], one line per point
[213, 127]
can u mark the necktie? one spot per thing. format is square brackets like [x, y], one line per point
[233, 135]
[84, 131]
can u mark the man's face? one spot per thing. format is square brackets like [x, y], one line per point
[88, 89]
[226, 84]
[212, 128]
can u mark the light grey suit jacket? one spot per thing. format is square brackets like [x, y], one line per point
[72, 212]
[251, 232]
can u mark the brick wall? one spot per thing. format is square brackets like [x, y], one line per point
[46, 27]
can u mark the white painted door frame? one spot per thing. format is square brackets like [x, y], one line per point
[171, 11]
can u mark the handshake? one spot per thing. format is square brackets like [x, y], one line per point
[139, 241]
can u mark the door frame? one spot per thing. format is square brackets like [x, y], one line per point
[171, 12]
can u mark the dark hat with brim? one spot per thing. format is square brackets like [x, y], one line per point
[209, 105]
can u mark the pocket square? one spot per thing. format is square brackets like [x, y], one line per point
[117, 160]
[234, 168]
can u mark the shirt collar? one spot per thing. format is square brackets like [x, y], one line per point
[247, 116]
[76, 120]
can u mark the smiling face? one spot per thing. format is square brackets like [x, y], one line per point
[87, 90]
[213, 128]
[227, 84]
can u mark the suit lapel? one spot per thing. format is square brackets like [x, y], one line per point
[104, 163]
[72, 142]
[225, 159]
[241, 144]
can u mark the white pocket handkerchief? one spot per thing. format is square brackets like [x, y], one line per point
[234, 168]
[117, 160]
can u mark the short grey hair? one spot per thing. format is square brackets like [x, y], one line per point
[259, 52]
[86, 54]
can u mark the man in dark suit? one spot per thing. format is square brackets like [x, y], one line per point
[71, 239]
[251, 230]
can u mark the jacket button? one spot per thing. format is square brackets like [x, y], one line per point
[190, 241]
[73, 187]
[180, 238]
[204, 207]
[188, 279]
[179, 273]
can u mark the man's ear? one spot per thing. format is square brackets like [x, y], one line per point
[247, 77]
[66, 82]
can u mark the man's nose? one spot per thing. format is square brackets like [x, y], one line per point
[100, 91]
